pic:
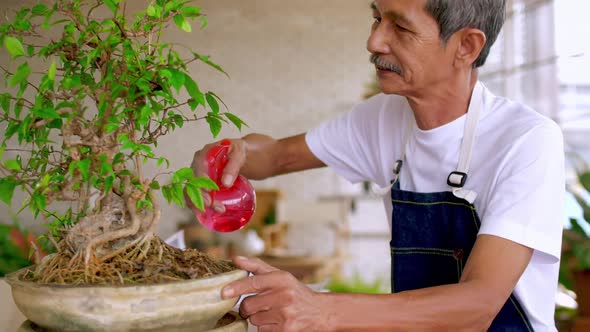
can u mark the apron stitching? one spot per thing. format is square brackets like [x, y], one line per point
[422, 253]
[526, 323]
[475, 219]
[433, 203]
[424, 249]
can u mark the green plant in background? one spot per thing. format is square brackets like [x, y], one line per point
[16, 248]
[85, 126]
[356, 284]
[576, 240]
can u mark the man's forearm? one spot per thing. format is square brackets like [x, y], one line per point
[267, 157]
[460, 307]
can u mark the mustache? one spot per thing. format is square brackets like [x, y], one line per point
[379, 62]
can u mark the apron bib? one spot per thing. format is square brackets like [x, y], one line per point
[433, 233]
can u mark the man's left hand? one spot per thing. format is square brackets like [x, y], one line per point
[280, 303]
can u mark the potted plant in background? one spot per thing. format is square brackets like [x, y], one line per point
[76, 139]
[575, 261]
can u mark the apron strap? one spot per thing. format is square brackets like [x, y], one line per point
[397, 168]
[457, 179]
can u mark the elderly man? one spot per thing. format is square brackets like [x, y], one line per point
[474, 186]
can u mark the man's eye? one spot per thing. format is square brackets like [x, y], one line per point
[401, 28]
[377, 19]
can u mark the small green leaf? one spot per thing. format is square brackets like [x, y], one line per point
[21, 74]
[182, 23]
[7, 187]
[14, 46]
[163, 160]
[212, 103]
[52, 71]
[5, 102]
[30, 50]
[112, 4]
[167, 193]
[190, 11]
[13, 165]
[193, 90]
[47, 113]
[155, 185]
[177, 194]
[151, 11]
[84, 167]
[195, 195]
[214, 125]
[39, 9]
[183, 174]
[204, 183]
[2, 148]
[203, 22]
[235, 120]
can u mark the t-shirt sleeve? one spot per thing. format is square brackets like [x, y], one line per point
[527, 204]
[349, 144]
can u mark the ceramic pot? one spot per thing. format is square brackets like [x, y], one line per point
[192, 305]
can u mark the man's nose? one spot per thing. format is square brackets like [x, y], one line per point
[378, 42]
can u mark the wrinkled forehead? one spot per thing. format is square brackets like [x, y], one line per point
[412, 12]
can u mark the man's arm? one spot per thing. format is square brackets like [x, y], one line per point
[491, 273]
[267, 157]
[259, 157]
[284, 304]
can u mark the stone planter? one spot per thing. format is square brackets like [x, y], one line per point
[192, 305]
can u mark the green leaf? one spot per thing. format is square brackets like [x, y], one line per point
[155, 185]
[151, 11]
[177, 78]
[167, 193]
[7, 187]
[2, 148]
[203, 22]
[193, 89]
[47, 113]
[212, 102]
[5, 102]
[235, 120]
[585, 180]
[30, 51]
[195, 195]
[163, 160]
[13, 165]
[112, 4]
[52, 71]
[21, 74]
[183, 174]
[84, 167]
[39, 9]
[204, 183]
[14, 46]
[214, 125]
[190, 11]
[177, 194]
[206, 60]
[182, 23]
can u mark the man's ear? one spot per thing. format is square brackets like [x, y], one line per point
[469, 43]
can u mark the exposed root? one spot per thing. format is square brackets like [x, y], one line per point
[152, 261]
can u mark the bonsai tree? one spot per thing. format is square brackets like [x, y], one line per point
[80, 132]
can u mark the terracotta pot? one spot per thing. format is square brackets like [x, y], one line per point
[582, 289]
[192, 305]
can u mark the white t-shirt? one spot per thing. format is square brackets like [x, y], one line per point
[517, 170]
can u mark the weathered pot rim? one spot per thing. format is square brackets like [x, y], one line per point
[13, 279]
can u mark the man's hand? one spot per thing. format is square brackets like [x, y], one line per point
[236, 160]
[281, 303]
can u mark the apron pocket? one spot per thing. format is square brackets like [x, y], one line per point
[415, 268]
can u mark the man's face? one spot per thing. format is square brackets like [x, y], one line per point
[408, 54]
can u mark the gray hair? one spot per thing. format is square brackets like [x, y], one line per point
[454, 15]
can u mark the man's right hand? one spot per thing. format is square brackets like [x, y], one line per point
[236, 160]
[256, 157]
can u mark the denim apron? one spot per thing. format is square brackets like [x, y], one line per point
[433, 233]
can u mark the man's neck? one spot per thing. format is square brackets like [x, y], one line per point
[444, 103]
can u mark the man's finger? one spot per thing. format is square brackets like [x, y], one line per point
[258, 303]
[255, 284]
[236, 159]
[265, 318]
[254, 265]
